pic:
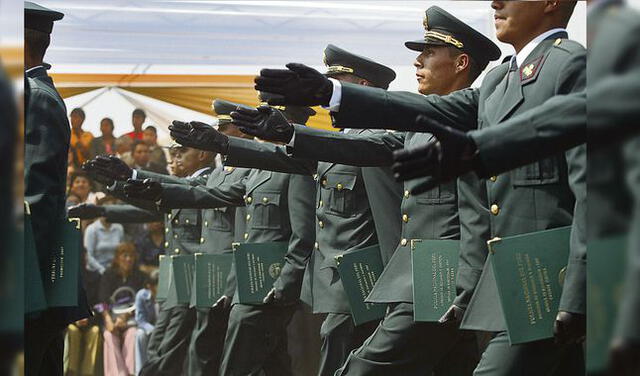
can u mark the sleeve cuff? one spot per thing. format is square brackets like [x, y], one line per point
[134, 174]
[336, 96]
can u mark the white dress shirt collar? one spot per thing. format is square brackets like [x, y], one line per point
[524, 53]
[199, 172]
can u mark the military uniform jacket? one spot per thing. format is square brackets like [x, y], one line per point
[277, 209]
[182, 226]
[530, 198]
[343, 215]
[432, 215]
[46, 147]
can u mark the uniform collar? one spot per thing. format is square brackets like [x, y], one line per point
[521, 56]
[199, 172]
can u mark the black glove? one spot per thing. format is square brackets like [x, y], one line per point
[90, 168]
[454, 315]
[624, 358]
[146, 189]
[265, 122]
[110, 167]
[299, 85]
[199, 135]
[451, 154]
[569, 328]
[86, 211]
[222, 304]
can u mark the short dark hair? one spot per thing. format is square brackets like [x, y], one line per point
[136, 143]
[474, 68]
[36, 42]
[139, 112]
[80, 112]
[108, 120]
[80, 174]
[152, 129]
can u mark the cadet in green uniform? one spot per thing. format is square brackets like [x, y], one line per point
[355, 209]
[217, 235]
[546, 65]
[443, 67]
[278, 209]
[182, 236]
[46, 142]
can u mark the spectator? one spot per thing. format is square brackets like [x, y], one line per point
[123, 149]
[141, 159]
[82, 187]
[119, 330]
[157, 155]
[137, 119]
[80, 141]
[84, 341]
[146, 313]
[101, 239]
[150, 246]
[105, 144]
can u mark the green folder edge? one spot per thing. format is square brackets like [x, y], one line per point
[413, 244]
[490, 246]
[234, 248]
[338, 259]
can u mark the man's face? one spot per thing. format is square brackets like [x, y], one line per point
[76, 121]
[188, 160]
[435, 70]
[149, 137]
[137, 121]
[80, 186]
[514, 20]
[141, 154]
[105, 128]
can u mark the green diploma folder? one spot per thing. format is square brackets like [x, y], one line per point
[61, 279]
[359, 270]
[605, 285]
[181, 280]
[52, 280]
[34, 297]
[434, 264]
[211, 272]
[257, 265]
[529, 271]
[164, 277]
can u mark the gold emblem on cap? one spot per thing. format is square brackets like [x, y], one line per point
[324, 57]
[339, 69]
[528, 70]
[425, 22]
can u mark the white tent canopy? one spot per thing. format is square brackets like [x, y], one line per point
[118, 104]
[240, 37]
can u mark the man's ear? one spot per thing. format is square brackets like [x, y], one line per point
[462, 62]
[551, 6]
[364, 82]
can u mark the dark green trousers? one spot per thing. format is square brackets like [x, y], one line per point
[540, 358]
[172, 350]
[256, 341]
[339, 337]
[401, 346]
[207, 342]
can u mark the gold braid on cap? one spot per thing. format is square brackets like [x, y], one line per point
[339, 69]
[224, 117]
[281, 108]
[443, 37]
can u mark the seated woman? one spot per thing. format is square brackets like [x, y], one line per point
[101, 239]
[119, 328]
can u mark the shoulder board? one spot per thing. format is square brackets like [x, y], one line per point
[568, 45]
